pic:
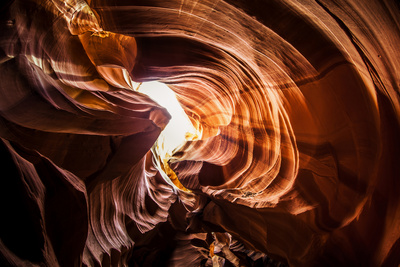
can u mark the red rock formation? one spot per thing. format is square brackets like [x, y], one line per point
[297, 103]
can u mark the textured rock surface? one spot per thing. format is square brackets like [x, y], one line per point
[297, 102]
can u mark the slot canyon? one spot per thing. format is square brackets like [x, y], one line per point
[286, 152]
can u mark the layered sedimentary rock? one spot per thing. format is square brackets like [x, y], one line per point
[297, 105]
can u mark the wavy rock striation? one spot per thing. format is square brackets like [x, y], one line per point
[297, 103]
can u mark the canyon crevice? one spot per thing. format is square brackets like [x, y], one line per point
[296, 111]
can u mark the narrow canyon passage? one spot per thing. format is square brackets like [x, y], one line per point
[284, 151]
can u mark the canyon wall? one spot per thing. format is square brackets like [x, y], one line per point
[297, 103]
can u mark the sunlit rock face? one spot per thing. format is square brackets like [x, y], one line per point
[291, 158]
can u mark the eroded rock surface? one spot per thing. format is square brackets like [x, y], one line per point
[297, 103]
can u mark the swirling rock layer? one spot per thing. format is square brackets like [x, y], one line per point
[297, 103]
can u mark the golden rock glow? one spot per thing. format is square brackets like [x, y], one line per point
[178, 131]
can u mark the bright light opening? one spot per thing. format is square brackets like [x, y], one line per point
[176, 133]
